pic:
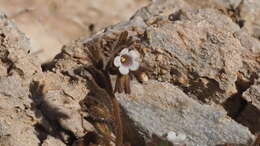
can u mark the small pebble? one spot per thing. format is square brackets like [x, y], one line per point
[159, 58]
[144, 77]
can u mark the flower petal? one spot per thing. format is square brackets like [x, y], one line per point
[117, 61]
[134, 66]
[171, 136]
[175, 138]
[134, 54]
[180, 137]
[124, 51]
[123, 70]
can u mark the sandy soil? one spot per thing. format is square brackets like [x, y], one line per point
[52, 23]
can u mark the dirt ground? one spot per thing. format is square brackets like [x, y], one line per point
[52, 23]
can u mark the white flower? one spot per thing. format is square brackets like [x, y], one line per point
[127, 60]
[175, 138]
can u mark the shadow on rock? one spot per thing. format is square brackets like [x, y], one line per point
[48, 115]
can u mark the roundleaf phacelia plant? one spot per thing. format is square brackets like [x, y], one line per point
[119, 57]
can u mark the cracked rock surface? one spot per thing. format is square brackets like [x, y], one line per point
[204, 81]
[172, 110]
[17, 68]
[36, 107]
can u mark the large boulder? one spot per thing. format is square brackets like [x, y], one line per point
[158, 108]
[197, 61]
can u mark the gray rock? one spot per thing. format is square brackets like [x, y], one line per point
[199, 57]
[157, 108]
[204, 63]
[203, 53]
[251, 57]
[247, 15]
[207, 63]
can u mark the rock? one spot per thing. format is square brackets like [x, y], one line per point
[209, 59]
[245, 13]
[197, 59]
[250, 114]
[206, 64]
[17, 69]
[158, 108]
[252, 95]
[51, 141]
[203, 52]
[34, 104]
[251, 58]
[250, 15]
[15, 50]
[60, 102]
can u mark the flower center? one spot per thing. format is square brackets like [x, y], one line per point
[126, 60]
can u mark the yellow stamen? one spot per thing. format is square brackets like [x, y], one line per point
[123, 59]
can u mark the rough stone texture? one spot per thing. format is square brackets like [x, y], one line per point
[60, 102]
[17, 68]
[248, 12]
[51, 141]
[250, 116]
[199, 59]
[252, 94]
[206, 62]
[204, 53]
[33, 104]
[251, 57]
[157, 108]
